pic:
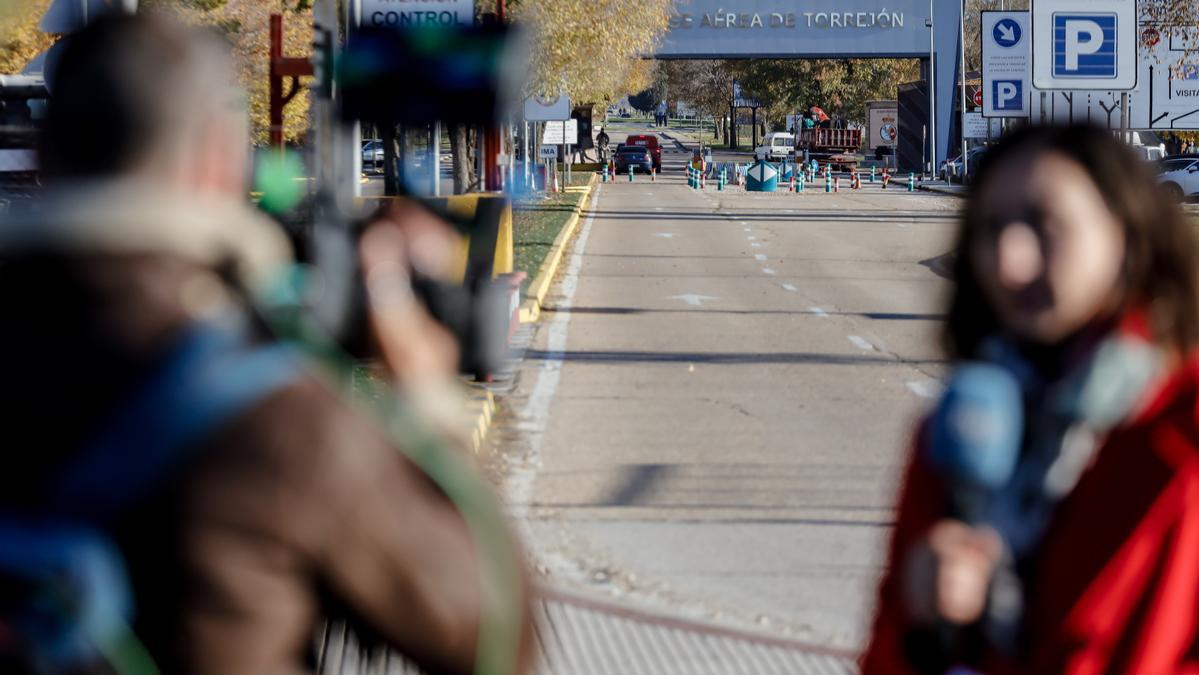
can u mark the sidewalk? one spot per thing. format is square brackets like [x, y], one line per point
[577, 635]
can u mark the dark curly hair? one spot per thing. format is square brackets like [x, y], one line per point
[1160, 249]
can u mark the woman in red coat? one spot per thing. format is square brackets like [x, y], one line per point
[1079, 552]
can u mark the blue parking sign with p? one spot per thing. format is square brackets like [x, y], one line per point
[1084, 45]
[1007, 95]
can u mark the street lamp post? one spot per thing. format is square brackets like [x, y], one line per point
[932, 87]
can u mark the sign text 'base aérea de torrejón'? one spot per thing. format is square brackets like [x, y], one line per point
[415, 13]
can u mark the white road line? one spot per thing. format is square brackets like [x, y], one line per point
[923, 389]
[861, 343]
[819, 312]
[751, 237]
[767, 270]
[760, 256]
[756, 245]
[534, 417]
[664, 235]
[790, 287]
[748, 230]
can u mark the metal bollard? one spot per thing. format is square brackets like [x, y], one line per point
[886, 178]
[837, 184]
[605, 173]
[872, 175]
[630, 173]
[799, 186]
[720, 181]
[911, 182]
[653, 175]
[828, 183]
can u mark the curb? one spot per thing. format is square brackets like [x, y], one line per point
[940, 190]
[477, 416]
[530, 309]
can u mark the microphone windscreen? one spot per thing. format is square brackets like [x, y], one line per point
[977, 426]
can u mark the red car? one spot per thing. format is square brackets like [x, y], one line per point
[650, 143]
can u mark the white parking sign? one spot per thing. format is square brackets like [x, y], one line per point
[1006, 87]
[1084, 44]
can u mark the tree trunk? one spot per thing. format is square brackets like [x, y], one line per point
[391, 179]
[462, 160]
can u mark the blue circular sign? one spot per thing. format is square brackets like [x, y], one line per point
[1006, 33]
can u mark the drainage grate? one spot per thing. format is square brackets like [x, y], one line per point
[582, 636]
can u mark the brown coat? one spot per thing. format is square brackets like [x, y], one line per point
[297, 508]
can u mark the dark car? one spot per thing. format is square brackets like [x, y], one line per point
[649, 142]
[637, 158]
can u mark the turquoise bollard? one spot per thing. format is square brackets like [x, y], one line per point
[911, 182]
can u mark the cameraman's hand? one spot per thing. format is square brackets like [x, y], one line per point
[412, 345]
[948, 573]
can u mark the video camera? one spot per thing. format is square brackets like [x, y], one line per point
[456, 75]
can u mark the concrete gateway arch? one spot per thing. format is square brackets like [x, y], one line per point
[929, 30]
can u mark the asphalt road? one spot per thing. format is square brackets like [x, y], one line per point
[711, 415]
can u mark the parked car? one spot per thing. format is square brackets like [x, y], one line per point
[776, 146]
[650, 142]
[951, 170]
[632, 156]
[1179, 176]
[372, 153]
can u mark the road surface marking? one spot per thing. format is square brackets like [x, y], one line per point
[756, 245]
[861, 343]
[664, 235]
[534, 417]
[760, 256]
[693, 299]
[819, 312]
[790, 287]
[748, 230]
[922, 389]
[767, 270]
[751, 237]
[659, 208]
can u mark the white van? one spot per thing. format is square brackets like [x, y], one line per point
[777, 145]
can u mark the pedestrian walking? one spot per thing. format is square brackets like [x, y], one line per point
[179, 489]
[1047, 516]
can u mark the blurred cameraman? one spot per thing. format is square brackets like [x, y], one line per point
[294, 505]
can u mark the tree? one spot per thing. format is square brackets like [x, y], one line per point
[20, 40]
[591, 51]
[645, 101]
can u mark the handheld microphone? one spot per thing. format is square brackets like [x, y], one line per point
[976, 433]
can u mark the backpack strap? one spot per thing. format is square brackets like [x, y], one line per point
[209, 376]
